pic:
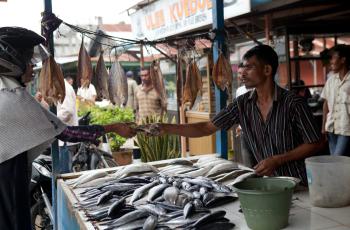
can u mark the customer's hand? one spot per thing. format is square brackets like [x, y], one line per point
[156, 129]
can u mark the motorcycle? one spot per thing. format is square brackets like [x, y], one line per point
[40, 193]
[86, 158]
[90, 157]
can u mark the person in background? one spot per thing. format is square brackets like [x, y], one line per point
[40, 99]
[336, 95]
[87, 92]
[301, 90]
[148, 102]
[278, 125]
[27, 129]
[132, 85]
[67, 113]
[246, 156]
[242, 89]
[70, 80]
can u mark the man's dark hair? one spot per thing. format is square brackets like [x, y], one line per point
[343, 51]
[240, 65]
[145, 68]
[265, 54]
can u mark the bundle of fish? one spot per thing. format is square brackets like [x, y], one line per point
[169, 202]
[51, 82]
[117, 85]
[84, 73]
[142, 196]
[193, 84]
[158, 83]
[222, 73]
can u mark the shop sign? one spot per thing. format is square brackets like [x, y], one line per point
[164, 18]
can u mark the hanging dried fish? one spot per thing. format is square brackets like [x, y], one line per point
[51, 82]
[222, 73]
[117, 85]
[84, 65]
[101, 79]
[179, 81]
[158, 83]
[193, 83]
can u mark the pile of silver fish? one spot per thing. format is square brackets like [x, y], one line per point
[140, 196]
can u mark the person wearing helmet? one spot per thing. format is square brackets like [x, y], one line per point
[26, 127]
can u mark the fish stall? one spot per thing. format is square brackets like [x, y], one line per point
[185, 193]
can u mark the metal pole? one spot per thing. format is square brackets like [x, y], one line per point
[296, 61]
[288, 66]
[54, 146]
[142, 61]
[220, 97]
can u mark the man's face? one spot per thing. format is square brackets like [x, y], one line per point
[239, 73]
[70, 81]
[145, 77]
[337, 62]
[253, 72]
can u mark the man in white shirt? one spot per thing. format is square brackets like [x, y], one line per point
[132, 85]
[67, 113]
[336, 107]
[87, 91]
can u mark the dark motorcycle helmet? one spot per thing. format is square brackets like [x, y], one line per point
[17, 49]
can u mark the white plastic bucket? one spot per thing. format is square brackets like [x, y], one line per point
[329, 180]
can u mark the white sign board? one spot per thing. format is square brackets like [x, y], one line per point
[164, 18]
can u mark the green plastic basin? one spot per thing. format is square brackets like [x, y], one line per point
[265, 202]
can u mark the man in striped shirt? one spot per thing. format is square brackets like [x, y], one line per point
[148, 101]
[279, 127]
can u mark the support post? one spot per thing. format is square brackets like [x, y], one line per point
[142, 61]
[268, 25]
[54, 146]
[288, 65]
[218, 46]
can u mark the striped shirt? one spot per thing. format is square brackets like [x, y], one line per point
[289, 124]
[148, 102]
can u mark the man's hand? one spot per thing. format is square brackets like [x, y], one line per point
[123, 129]
[267, 167]
[151, 129]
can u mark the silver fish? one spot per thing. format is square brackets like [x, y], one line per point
[170, 194]
[139, 192]
[231, 175]
[129, 217]
[221, 168]
[150, 223]
[243, 177]
[156, 191]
